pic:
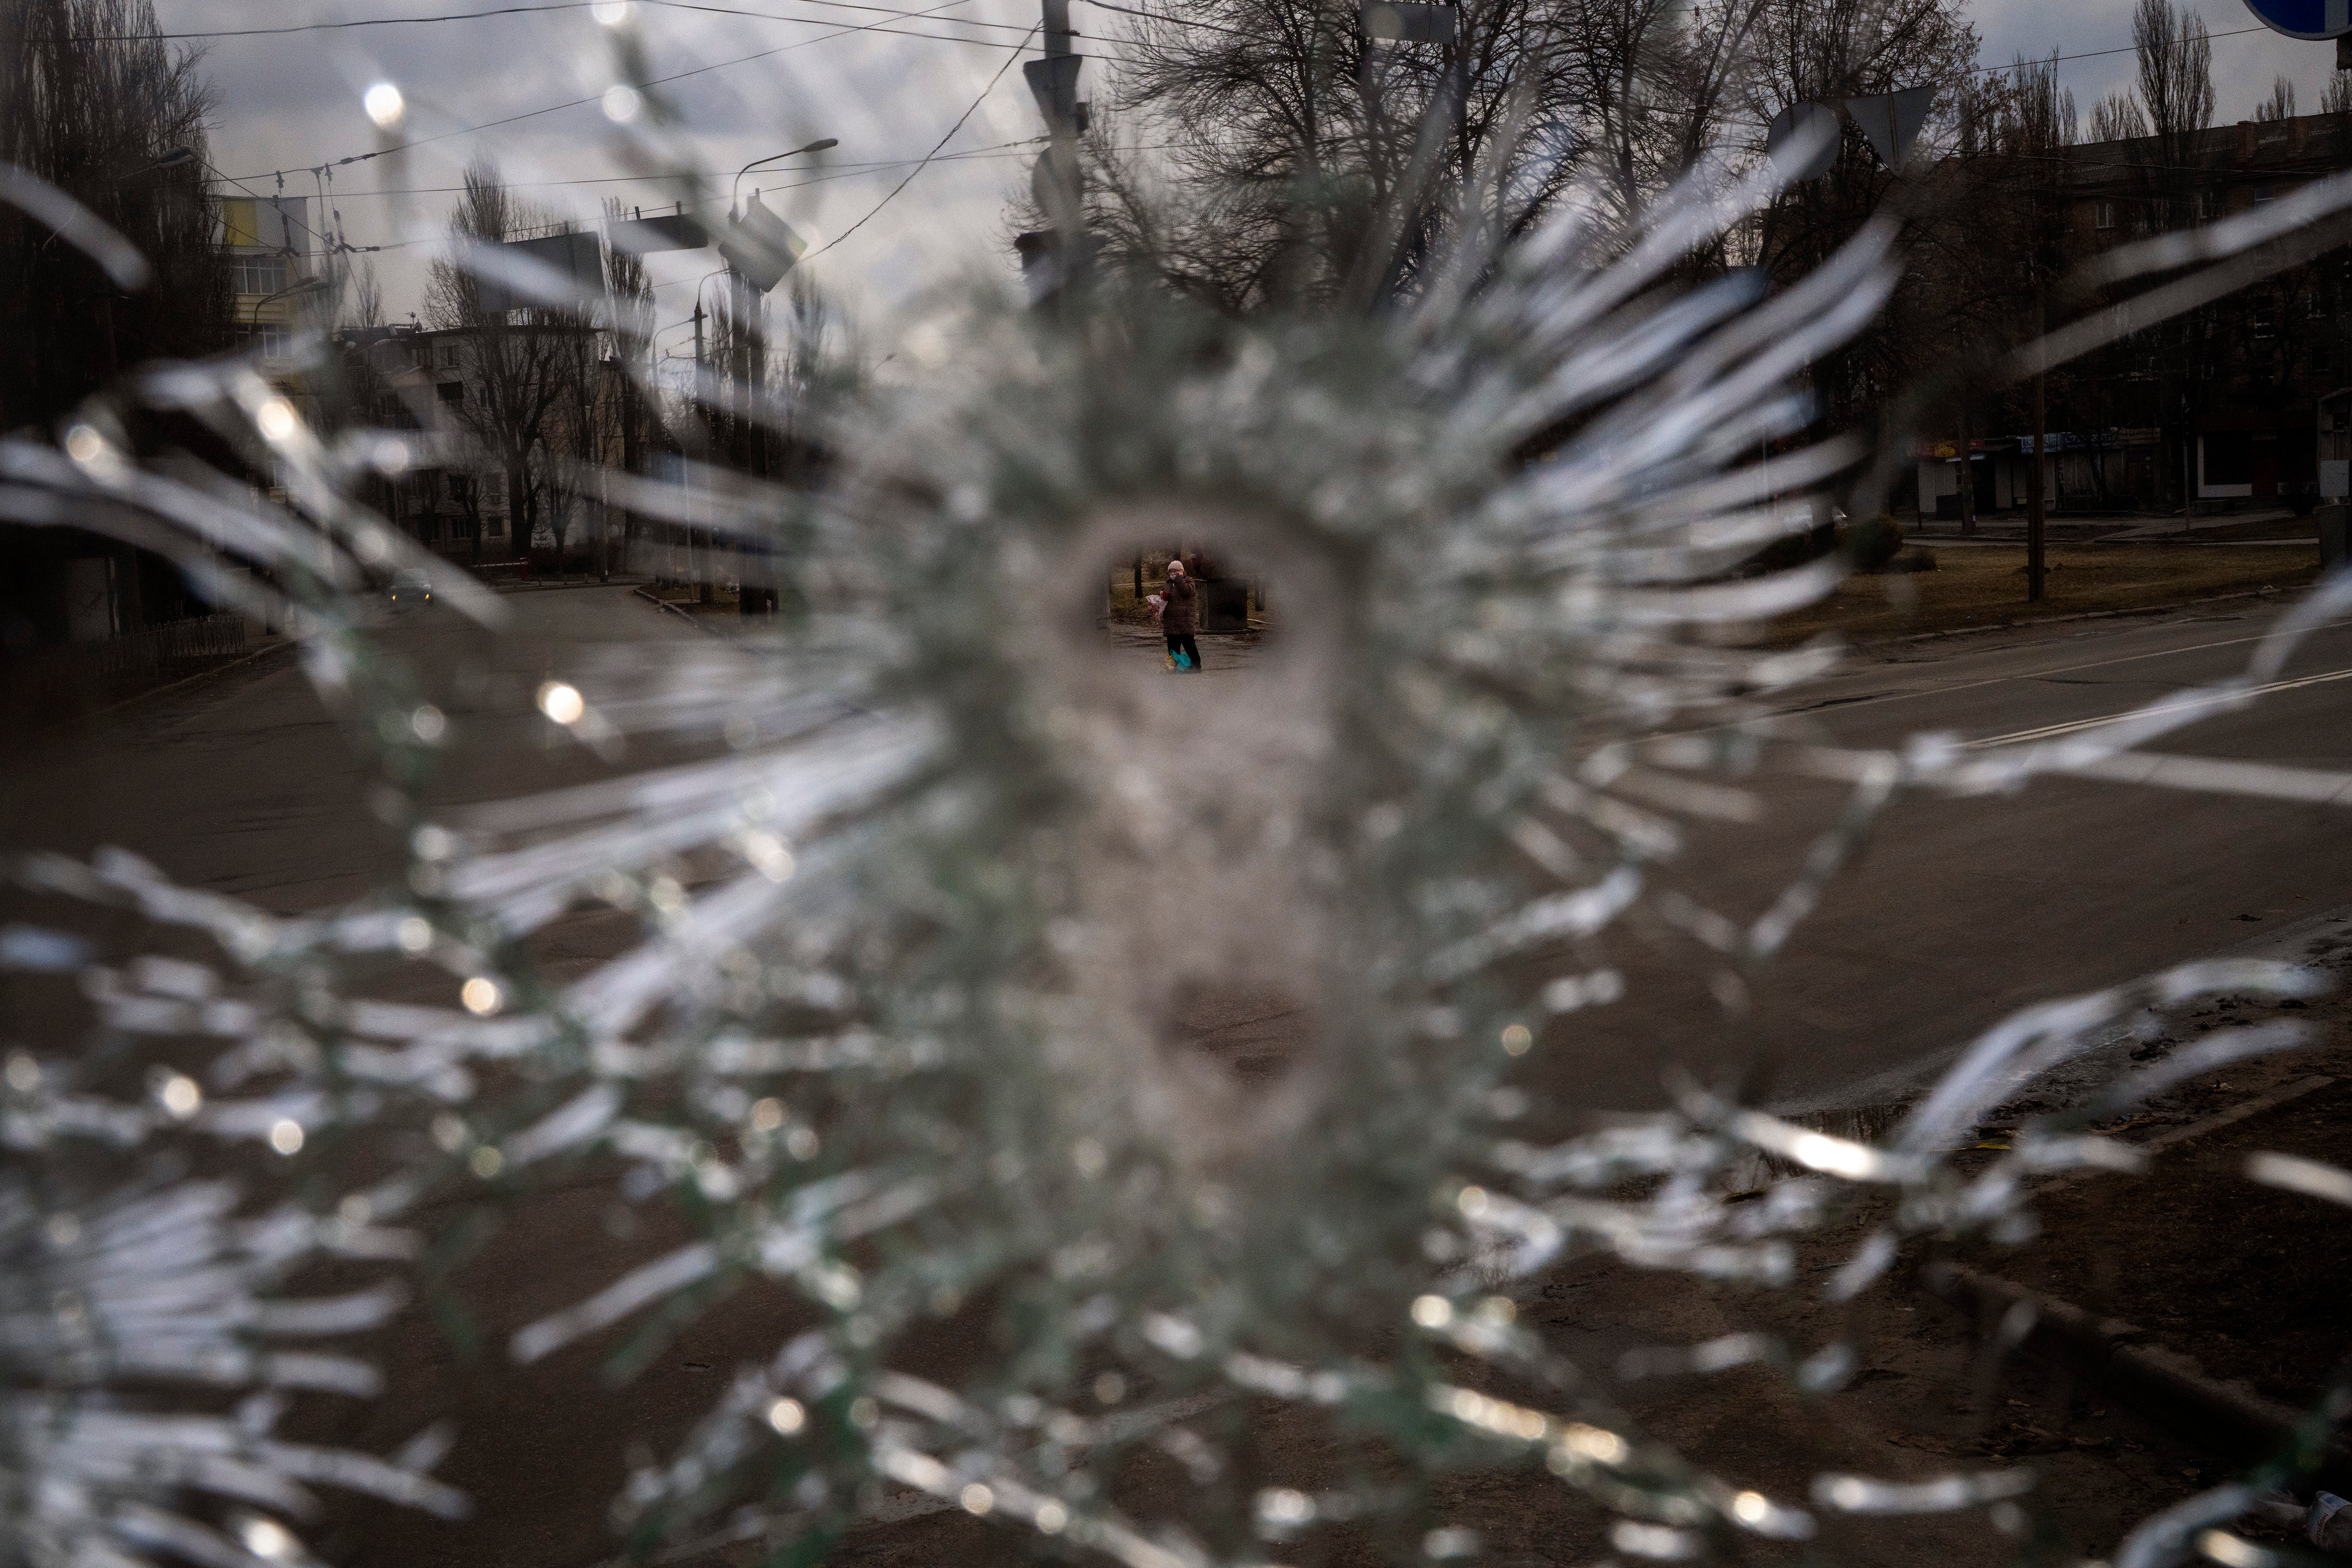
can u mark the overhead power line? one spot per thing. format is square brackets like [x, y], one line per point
[837, 171]
[2094, 54]
[700, 5]
[968, 110]
[598, 98]
[676, 75]
[703, 6]
[544, 6]
[1156, 16]
[583, 4]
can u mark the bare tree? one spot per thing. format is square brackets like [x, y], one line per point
[94, 100]
[2040, 121]
[2279, 106]
[2338, 99]
[2117, 117]
[1303, 160]
[360, 296]
[630, 296]
[2176, 87]
[514, 363]
[1825, 52]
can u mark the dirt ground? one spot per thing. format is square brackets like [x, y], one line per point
[2244, 1281]
[1984, 585]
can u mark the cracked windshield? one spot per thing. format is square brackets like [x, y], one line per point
[1198, 783]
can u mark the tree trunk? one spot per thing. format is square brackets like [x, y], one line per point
[519, 520]
[1968, 478]
[2036, 516]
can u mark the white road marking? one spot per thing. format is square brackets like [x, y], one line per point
[2065, 668]
[2185, 705]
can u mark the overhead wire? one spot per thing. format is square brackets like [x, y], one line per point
[546, 5]
[597, 98]
[2092, 54]
[848, 171]
[709, 7]
[700, 5]
[1157, 16]
[970, 109]
[531, 9]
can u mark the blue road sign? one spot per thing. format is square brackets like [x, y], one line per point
[2304, 18]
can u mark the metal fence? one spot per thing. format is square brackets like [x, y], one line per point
[173, 642]
[58, 680]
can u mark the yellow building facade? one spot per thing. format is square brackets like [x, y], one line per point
[274, 250]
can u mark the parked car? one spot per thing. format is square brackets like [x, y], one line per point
[411, 587]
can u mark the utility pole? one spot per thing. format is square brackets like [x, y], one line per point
[1052, 258]
[740, 392]
[699, 370]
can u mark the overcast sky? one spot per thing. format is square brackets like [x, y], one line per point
[290, 101]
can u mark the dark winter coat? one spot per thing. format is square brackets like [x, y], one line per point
[1181, 617]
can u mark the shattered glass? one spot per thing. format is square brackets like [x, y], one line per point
[921, 903]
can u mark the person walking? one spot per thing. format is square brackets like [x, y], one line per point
[1180, 618]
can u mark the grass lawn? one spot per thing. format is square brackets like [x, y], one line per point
[1984, 585]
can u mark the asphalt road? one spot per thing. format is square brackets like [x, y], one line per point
[1962, 911]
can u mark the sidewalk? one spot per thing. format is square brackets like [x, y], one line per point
[2128, 528]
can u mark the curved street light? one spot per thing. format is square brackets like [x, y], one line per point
[298, 287]
[772, 157]
[170, 158]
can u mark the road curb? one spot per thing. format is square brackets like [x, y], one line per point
[552, 588]
[692, 620]
[186, 681]
[2231, 1420]
[2079, 616]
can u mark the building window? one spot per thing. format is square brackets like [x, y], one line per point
[2104, 214]
[461, 487]
[2264, 194]
[270, 340]
[448, 356]
[2262, 316]
[452, 391]
[257, 275]
[2319, 358]
[2209, 204]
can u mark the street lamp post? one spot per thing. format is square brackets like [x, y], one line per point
[300, 287]
[746, 356]
[737, 190]
[171, 158]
